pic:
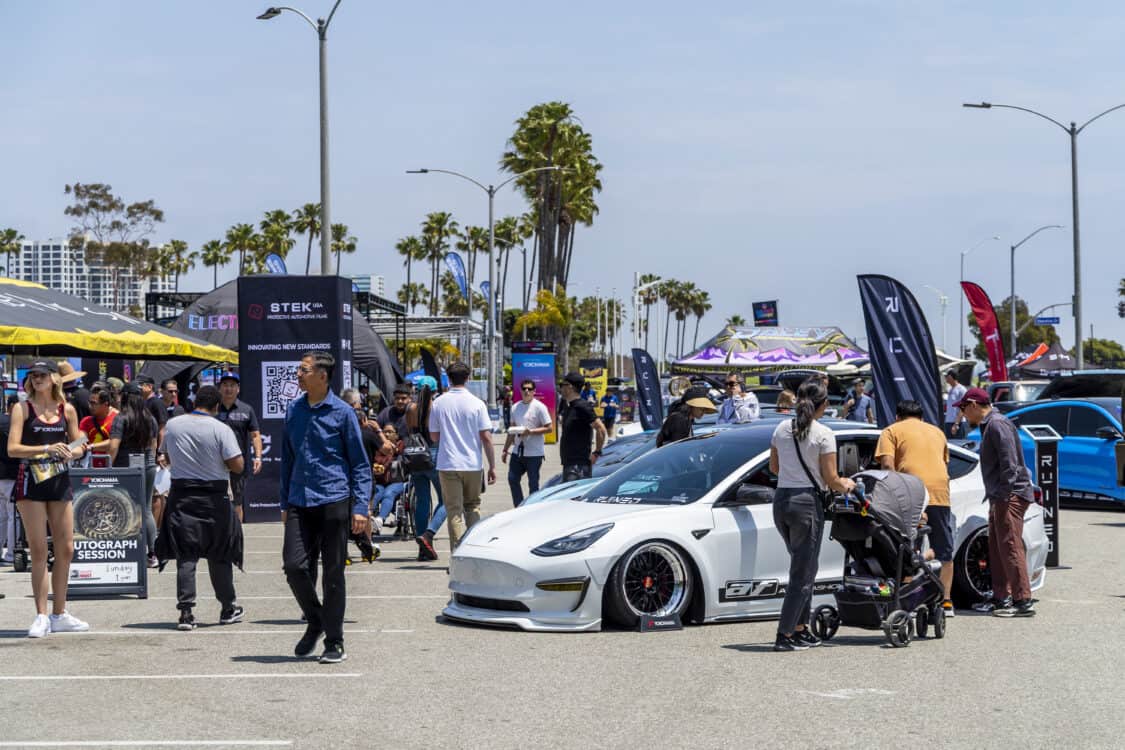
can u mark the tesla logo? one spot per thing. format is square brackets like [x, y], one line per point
[892, 304]
[255, 312]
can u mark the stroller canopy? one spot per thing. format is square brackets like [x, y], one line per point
[896, 499]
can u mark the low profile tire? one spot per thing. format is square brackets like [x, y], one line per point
[922, 622]
[972, 577]
[898, 628]
[825, 622]
[653, 579]
[939, 622]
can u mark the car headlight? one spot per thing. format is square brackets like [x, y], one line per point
[575, 542]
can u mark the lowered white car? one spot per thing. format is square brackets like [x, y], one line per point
[687, 530]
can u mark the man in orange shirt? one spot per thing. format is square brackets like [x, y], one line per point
[911, 446]
[100, 420]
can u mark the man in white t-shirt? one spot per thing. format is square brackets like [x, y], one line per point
[530, 422]
[952, 413]
[460, 426]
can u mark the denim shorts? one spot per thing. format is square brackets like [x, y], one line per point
[941, 531]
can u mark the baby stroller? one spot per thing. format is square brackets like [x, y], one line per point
[887, 585]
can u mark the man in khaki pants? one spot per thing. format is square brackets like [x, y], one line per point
[460, 426]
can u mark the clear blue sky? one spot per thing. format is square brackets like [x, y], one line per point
[759, 150]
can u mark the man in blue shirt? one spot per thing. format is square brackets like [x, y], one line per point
[325, 486]
[609, 412]
[859, 407]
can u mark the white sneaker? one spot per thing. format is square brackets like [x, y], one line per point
[67, 623]
[390, 520]
[376, 526]
[39, 628]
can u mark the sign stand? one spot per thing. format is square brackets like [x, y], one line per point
[1047, 478]
[110, 554]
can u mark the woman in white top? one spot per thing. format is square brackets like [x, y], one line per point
[797, 511]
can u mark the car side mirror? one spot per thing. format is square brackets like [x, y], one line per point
[752, 494]
[1108, 433]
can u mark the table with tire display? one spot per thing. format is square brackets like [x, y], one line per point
[110, 550]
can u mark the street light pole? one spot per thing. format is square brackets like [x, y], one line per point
[491, 190]
[944, 302]
[1012, 272]
[1073, 130]
[321, 28]
[961, 296]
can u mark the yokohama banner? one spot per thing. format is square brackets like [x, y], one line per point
[650, 407]
[989, 330]
[903, 356]
[279, 319]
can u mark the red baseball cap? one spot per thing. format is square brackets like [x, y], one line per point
[976, 396]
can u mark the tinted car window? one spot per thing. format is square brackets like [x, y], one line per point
[1085, 421]
[1055, 416]
[960, 465]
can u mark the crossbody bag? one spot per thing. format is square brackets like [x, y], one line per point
[823, 495]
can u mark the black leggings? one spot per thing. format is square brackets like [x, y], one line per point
[799, 518]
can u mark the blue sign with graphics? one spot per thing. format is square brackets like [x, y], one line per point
[276, 264]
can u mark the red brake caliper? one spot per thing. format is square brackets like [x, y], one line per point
[647, 582]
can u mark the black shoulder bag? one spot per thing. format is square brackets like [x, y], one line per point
[823, 495]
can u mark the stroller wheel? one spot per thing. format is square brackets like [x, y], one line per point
[921, 622]
[825, 622]
[898, 627]
[939, 621]
[19, 561]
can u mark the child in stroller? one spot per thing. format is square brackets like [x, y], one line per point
[887, 584]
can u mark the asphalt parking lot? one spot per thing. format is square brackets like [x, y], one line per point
[413, 681]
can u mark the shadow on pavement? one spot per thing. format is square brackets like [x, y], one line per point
[268, 659]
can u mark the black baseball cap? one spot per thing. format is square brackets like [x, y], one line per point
[144, 380]
[574, 379]
[230, 376]
[43, 366]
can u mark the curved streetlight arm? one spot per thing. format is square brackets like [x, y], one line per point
[270, 14]
[531, 171]
[1031, 320]
[330, 14]
[426, 170]
[1037, 231]
[1096, 117]
[990, 105]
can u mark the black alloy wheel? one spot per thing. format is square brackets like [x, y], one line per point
[653, 579]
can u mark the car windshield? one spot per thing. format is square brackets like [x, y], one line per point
[676, 474]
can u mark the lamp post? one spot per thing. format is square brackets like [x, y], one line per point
[320, 26]
[491, 190]
[1012, 272]
[1073, 132]
[944, 302]
[961, 295]
[1031, 320]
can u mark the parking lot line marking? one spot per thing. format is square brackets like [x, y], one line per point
[152, 743]
[206, 630]
[283, 597]
[396, 631]
[246, 676]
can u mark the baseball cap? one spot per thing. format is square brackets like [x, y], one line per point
[574, 379]
[976, 396]
[230, 376]
[44, 366]
[144, 380]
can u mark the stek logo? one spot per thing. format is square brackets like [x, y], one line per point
[295, 307]
[255, 312]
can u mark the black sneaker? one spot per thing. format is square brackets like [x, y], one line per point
[307, 644]
[231, 616]
[426, 551]
[333, 653]
[187, 620]
[788, 643]
[806, 637]
[1024, 608]
[992, 604]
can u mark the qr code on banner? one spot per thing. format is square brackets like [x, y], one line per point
[279, 387]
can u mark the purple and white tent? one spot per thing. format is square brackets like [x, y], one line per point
[763, 350]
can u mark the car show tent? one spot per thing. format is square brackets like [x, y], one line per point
[754, 350]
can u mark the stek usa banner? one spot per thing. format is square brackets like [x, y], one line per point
[280, 318]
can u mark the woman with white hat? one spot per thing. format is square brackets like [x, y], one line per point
[678, 424]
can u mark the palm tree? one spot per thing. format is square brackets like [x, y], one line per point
[275, 238]
[10, 244]
[413, 295]
[649, 297]
[735, 321]
[214, 254]
[180, 260]
[554, 314]
[683, 300]
[700, 306]
[240, 239]
[670, 293]
[473, 241]
[410, 248]
[306, 220]
[342, 243]
[437, 230]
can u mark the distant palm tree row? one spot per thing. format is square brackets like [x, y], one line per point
[681, 299]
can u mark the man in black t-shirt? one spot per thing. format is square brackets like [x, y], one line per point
[579, 424]
[169, 394]
[154, 404]
[395, 414]
[243, 420]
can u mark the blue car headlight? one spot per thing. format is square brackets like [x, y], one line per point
[575, 542]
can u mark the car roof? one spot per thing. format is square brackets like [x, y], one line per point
[1111, 405]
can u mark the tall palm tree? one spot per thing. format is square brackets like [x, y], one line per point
[180, 260]
[306, 220]
[700, 306]
[342, 243]
[649, 297]
[687, 293]
[410, 248]
[412, 295]
[437, 230]
[10, 244]
[735, 321]
[276, 238]
[670, 295]
[472, 242]
[214, 254]
[240, 239]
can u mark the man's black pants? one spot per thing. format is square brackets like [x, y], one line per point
[320, 531]
[222, 580]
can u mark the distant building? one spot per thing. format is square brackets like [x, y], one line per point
[371, 283]
[55, 265]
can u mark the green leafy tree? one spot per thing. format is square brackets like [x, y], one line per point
[473, 242]
[276, 237]
[438, 229]
[1028, 338]
[510, 231]
[553, 315]
[214, 254]
[412, 295]
[240, 240]
[1105, 353]
[735, 320]
[342, 243]
[306, 220]
[410, 248]
[649, 297]
[180, 260]
[10, 243]
[113, 233]
[700, 306]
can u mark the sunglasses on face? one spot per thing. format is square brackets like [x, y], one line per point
[526, 388]
[732, 384]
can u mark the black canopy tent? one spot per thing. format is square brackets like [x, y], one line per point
[214, 318]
